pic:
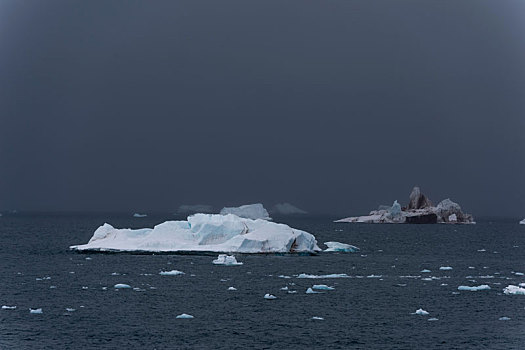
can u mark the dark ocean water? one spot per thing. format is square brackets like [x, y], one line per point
[38, 271]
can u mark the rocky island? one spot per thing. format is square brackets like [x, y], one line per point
[419, 210]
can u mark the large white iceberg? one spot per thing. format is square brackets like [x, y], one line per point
[204, 233]
[248, 211]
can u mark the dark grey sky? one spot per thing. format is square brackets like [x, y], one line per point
[335, 106]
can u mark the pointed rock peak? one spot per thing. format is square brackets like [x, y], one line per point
[418, 200]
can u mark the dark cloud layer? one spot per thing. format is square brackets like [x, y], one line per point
[334, 106]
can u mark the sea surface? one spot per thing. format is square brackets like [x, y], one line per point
[372, 309]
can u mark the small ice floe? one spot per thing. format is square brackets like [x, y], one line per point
[7, 307]
[137, 215]
[43, 278]
[121, 286]
[115, 274]
[519, 273]
[455, 293]
[322, 287]
[401, 284]
[84, 287]
[340, 247]
[504, 318]
[471, 267]
[291, 291]
[427, 279]
[89, 258]
[36, 311]
[224, 280]
[184, 316]
[474, 288]
[425, 271]
[284, 288]
[317, 318]
[104, 288]
[232, 288]
[445, 268]
[421, 312]
[433, 319]
[171, 273]
[269, 297]
[374, 276]
[334, 275]
[68, 309]
[311, 291]
[52, 287]
[283, 276]
[481, 250]
[511, 289]
[444, 284]
[228, 260]
[410, 276]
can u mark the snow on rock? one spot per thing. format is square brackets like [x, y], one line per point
[269, 297]
[248, 211]
[474, 288]
[137, 215]
[511, 289]
[333, 275]
[340, 247]
[36, 311]
[287, 209]
[204, 233]
[7, 307]
[421, 312]
[171, 273]
[228, 260]
[121, 286]
[322, 287]
[184, 316]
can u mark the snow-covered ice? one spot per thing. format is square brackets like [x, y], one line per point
[171, 273]
[137, 215]
[204, 233]
[340, 247]
[121, 286]
[421, 312]
[474, 288]
[36, 311]
[248, 211]
[322, 287]
[228, 260]
[269, 296]
[511, 289]
[333, 275]
[184, 316]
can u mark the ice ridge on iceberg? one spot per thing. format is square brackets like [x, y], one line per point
[204, 233]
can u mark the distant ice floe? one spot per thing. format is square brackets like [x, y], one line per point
[340, 247]
[474, 288]
[232, 288]
[269, 297]
[334, 275]
[287, 209]
[171, 273]
[322, 287]
[425, 271]
[121, 286]
[522, 222]
[137, 215]
[7, 307]
[248, 211]
[184, 316]
[228, 260]
[204, 233]
[511, 289]
[36, 311]
[68, 309]
[317, 318]
[445, 268]
[433, 319]
[421, 312]
[504, 318]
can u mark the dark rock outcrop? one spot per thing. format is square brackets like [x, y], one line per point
[418, 200]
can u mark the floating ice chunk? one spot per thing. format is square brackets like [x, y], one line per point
[68, 309]
[475, 288]
[425, 271]
[374, 276]
[421, 312]
[481, 250]
[248, 211]
[334, 275]
[7, 307]
[121, 286]
[522, 222]
[445, 268]
[232, 288]
[292, 292]
[340, 247]
[511, 289]
[283, 276]
[137, 215]
[184, 316]
[519, 273]
[36, 311]
[504, 318]
[171, 273]
[228, 260]
[284, 288]
[311, 291]
[269, 297]
[322, 287]
[433, 319]
[317, 318]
